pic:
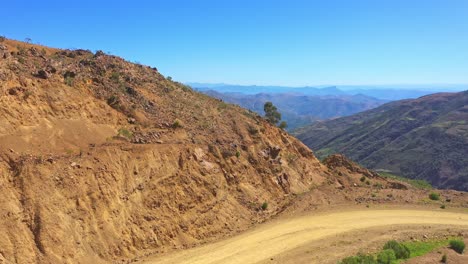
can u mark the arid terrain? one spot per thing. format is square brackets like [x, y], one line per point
[107, 161]
[291, 240]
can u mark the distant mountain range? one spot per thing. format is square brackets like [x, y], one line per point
[298, 109]
[424, 138]
[397, 92]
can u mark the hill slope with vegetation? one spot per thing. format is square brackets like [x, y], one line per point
[424, 138]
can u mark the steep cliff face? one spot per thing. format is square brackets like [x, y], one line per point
[104, 160]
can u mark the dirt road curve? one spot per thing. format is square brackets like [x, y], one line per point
[281, 236]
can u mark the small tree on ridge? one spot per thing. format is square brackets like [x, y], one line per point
[271, 113]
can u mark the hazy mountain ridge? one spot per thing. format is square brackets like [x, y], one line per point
[298, 109]
[389, 93]
[424, 138]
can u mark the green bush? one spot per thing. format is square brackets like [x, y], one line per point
[264, 206]
[359, 259]
[386, 256]
[458, 245]
[363, 179]
[401, 251]
[434, 196]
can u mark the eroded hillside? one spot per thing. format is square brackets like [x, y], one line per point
[104, 160]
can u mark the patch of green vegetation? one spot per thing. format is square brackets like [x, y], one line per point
[458, 245]
[434, 196]
[125, 133]
[420, 184]
[238, 154]
[420, 248]
[386, 256]
[397, 252]
[359, 259]
[401, 250]
[264, 206]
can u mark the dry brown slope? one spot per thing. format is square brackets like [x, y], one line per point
[103, 160]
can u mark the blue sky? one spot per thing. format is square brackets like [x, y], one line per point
[262, 42]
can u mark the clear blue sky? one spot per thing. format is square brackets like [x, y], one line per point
[262, 42]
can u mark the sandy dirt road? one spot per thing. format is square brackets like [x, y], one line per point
[283, 235]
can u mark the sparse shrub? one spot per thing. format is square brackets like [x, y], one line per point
[444, 258]
[69, 81]
[401, 251]
[378, 185]
[264, 206]
[442, 206]
[368, 182]
[434, 196]
[283, 125]
[363, 179]
[114, 102]
[373, 195]
[27, 94]
[291, 157]
[177, 124]
[252, 130]
[185, 88]
[115, 76]
[169, 78]
[238, 154]
[386, 256]
[458, 245]
[125, 133]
